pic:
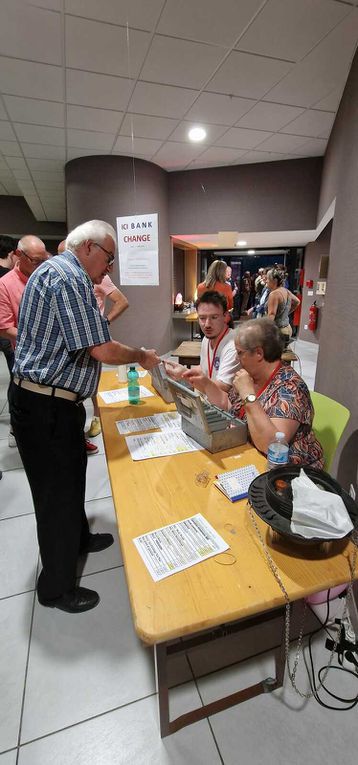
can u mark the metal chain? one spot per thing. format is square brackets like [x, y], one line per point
[275, 572]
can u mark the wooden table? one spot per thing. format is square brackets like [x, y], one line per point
[188, 352]
[190, 318]
[156, 492]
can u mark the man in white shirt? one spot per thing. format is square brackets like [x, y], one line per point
[218, 357]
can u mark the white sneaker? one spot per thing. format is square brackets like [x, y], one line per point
[11, 439]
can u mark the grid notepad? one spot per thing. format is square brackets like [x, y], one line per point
[235, 483]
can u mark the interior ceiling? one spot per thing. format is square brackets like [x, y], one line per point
[84, 77]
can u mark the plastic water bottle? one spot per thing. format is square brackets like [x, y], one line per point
[133, 386]
[277, 453]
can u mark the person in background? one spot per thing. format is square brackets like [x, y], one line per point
[266, 394]
[7, 262]
[245, 291]
[281, 302]
[218, 359]
[30, 253]
[230, 281]
[106, 289]
[216, 281]
[62, 340]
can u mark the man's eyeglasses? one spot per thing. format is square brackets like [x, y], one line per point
[110, 256]
[33, 261]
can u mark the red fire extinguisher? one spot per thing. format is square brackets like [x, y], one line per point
[313, 317]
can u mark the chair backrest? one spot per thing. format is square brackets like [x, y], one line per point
[330, 419]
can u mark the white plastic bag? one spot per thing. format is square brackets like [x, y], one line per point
[317, 513]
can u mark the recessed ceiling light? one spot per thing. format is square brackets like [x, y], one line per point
[251, 252]
[241, 243]
[197, 134]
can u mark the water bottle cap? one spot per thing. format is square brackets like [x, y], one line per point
[132, 368]
[279, 434]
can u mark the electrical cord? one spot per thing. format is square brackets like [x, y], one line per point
[352, 702]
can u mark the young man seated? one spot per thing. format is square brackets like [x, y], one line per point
[218, 357]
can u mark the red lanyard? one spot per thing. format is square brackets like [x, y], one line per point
[258, 394]
[211, 366]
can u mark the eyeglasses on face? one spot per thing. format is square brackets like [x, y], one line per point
[110, 255]
[33, 261]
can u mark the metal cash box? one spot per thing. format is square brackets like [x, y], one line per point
[210, 426]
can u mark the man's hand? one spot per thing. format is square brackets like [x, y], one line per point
[150, 358]
[174, 370]
[243, 383]
[196, 377]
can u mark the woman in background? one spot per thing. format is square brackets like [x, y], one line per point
[216, 280]
[281, 302]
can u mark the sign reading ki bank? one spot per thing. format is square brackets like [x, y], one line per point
[138, 249]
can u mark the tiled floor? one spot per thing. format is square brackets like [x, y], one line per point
[80, 689]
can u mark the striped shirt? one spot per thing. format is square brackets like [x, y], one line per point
[59, 321]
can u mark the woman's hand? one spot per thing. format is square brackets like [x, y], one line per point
[197, 378]
[243, 383]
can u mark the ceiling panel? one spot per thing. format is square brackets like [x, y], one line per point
[282, 143]
[87, 139]
[217, 108]
[263, 156]
[219, 154]
[73, 153]
[40, 134]
[200, 20]
[143, 146]
[179, 62]
[10, 148]
[3, 113]
[331, 102]
[11, 187]
[31, 32]
[173, 155]
[314, 147]
[16, 163]
[142, 14]
[249, 76]
[107, 50]
[213, 132]
[161, 100]
[43, 150]
[6, 131]
[289, 29]
[265, 116]
[311, 123]
[25, 78]
[88, 89]
[86, 118]
[45, 164]
[243, 139]
[144, 126]
[35, 111]
[324, 69]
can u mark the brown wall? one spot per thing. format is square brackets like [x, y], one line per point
[105, 187]
[337, 369]
[271, 196]
[313, 254]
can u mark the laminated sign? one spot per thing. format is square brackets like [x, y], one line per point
[138, 249]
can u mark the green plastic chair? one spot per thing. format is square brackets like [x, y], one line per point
[329, 422]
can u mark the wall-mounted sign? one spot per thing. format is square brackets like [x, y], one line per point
[138, 249]
[321, 288]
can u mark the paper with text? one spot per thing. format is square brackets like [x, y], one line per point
[160, 444]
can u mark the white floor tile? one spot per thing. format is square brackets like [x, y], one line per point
[97, 483]
[15, 619]
[9, 457]
[15, 494]
[101, 517]
[84, 664]
[9, 758]
[4, 426]
[128, 735]
[18, 555]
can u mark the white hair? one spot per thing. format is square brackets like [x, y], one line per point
[97, 230]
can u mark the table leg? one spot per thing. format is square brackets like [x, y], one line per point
[162, 688]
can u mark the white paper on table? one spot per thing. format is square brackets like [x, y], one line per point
[121, 394]
[178, 546]
[166, 421]
[160, 444]
[142, 372]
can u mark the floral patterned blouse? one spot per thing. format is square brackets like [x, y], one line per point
[287, 396]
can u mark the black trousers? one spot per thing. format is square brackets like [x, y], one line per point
[49, 434]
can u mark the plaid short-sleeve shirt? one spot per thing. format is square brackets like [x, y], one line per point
[59, 321]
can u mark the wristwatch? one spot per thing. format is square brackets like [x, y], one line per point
[249, 399]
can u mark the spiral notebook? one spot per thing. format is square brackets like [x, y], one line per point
[235, 483]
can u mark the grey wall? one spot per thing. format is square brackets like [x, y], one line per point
[313, 254]
[105, 187]
[16, 219]
[337, 370]
[271, 196]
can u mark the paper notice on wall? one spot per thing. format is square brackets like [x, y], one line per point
[173, 548]
[138, 249]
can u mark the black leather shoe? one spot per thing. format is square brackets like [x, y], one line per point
[74, 602]
[97, 542]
